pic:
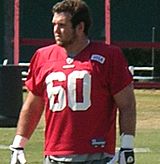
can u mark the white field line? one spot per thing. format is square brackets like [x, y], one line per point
[4, 147]
[142, 150]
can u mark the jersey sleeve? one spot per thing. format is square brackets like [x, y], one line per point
[120, 76]
[34, 82]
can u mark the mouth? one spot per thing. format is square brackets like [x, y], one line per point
[58, 38]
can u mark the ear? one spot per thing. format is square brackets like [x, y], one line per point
[80, 28]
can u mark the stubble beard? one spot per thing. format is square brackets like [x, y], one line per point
[67, 43]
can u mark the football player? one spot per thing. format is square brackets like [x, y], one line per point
[80, 84]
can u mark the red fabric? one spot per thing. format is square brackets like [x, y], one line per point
[72, 123]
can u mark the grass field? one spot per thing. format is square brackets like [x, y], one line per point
[147, 141]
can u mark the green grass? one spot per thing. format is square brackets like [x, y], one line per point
[147, 137]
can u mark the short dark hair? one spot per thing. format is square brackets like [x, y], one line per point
[79, 11]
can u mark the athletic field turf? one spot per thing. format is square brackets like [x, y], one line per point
[147, 141]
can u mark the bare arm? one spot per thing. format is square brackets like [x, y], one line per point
[125, 101]
[30, 115]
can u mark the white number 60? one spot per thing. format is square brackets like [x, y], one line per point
[52, 91]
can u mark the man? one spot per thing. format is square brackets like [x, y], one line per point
[80, 84]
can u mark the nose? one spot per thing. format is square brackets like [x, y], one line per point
[56, 28]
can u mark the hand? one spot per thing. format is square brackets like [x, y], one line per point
[17, 156]
[126, 156]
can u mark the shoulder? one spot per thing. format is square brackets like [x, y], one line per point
[109, 51]
[101, 45]
[48, 48]
[45, 54]
[48, 52]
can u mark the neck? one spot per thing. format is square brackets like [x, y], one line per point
[76, 47]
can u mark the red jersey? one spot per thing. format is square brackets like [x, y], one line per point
[80, 111]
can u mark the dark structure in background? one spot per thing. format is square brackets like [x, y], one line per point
[138, 21]
[132, 20]
[10, 95]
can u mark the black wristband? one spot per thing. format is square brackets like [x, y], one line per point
[19, 148]
[128, 155]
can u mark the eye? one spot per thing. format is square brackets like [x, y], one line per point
[61, 25]
[53, 24]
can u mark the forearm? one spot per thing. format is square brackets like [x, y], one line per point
[30, 115]
[127, 124]
[127, 121]
[126, 104]
[28, 122]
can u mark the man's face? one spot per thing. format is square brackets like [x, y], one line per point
[63, 31]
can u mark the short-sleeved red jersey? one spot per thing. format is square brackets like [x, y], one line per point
[80, 111]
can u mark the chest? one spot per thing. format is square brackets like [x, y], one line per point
[71, 72]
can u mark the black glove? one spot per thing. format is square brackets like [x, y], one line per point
[126, 156]
[17, 156]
